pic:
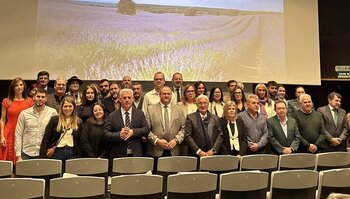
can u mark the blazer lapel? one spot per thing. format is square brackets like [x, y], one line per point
[280, 127]
[160, 114]
[120, 118]
[133, 117]
[174, 114]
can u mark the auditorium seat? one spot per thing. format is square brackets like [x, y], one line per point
[78, 187]
[137, 186]
[40, 168]
[333, 181]
[11, 188]
[219, 164]
[244, 184]
[174, 164]
[192, 185]
[6, 169]
[293, 184]
[297, 161]
[132, 165]
[332, 160]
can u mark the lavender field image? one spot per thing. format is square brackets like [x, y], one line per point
[93, 41]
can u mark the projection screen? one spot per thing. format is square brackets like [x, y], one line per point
[209, 40]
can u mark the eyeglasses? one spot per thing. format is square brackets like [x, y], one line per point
[238, 93]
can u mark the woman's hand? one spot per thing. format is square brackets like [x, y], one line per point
[2, 141]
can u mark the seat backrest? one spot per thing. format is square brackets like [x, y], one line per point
[134, 185]
[87, 166]
[261, 162]
[334, 181]
[78, 187]
[38, 167]
[297, 161]
[294, 184]
[132, 165]
[97, 167]
[173, 164]
[192, 185]
[22, 188]
[224, 163]
[177, 164]
[244, 184]
[6, 169]
[219, 164]
[332, 160]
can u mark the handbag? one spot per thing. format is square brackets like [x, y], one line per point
[50, 151]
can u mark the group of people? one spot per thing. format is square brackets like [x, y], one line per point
[111, 120]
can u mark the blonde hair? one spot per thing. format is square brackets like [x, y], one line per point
[227, 106]
[73, 123]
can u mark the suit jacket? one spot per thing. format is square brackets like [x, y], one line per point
[109, 104]
[226, 145]
[277, 138]
[339, 130]
[192, 134]
[50, 90]
[155, 121]
[113, 125]
[140, 104]
[51, 136]
[54, 101]
[293, 105]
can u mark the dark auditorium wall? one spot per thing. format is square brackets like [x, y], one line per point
[334, 32]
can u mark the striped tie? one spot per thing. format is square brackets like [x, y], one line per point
[127, 124]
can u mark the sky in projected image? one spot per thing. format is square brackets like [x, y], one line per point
[90, 39]
[256, 5]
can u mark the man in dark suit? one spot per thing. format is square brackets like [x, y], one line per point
[124, 128]
[43, 81]
[283, 130]
[336, 127]
[202, 130]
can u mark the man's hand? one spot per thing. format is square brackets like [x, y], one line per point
[171, 144]
[287, 150]
[210, 152]
[312, 148]
[254, 147]
[162, 143]
[335, 141]
[124, 133]
[202, 154]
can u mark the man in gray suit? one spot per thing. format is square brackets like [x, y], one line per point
[335, 124]
[202, 130]
[283, 130]
[166, 122]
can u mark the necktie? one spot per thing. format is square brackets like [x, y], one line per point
[178, 95]
[335, 116]
[127, 120]
[166, 124]
[127, 124]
